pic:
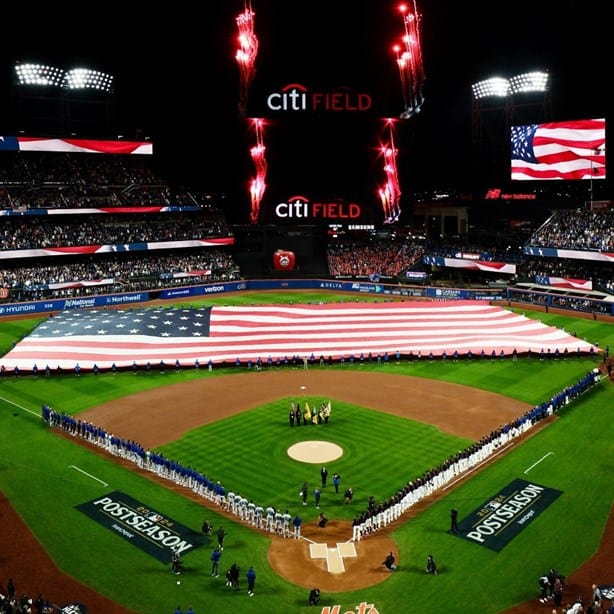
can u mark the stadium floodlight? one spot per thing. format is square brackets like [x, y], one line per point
[537, 81]
[38, 74]
[496, 87]
[74, 79]
[87, 79]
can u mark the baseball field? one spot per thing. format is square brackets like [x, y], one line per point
[392, 422]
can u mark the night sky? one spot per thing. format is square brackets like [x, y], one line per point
[177, 81]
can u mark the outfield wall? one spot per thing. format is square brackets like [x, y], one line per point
[190, 292]
[34, 308]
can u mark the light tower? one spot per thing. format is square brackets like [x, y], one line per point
[55, 101]
[498, 103]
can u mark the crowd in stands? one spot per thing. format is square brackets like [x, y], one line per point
[549, 300]
[374, 257]
[42, 180]
[33, 181]
[43, 232]
[369, 257]
[93, 275]
[600, 273]
[580, 229]
[489, 253]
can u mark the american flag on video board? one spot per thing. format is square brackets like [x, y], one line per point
[562, 150]
[223, 334]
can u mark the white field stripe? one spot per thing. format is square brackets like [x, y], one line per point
[537, 462]
[89, 475]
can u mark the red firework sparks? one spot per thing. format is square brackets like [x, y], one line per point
[246, 54]
[257, 185]
[390, 192]
[409, 61]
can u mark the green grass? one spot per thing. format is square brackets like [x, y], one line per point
[418, 447]
[382, 452]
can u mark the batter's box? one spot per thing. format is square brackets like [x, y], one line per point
[334, 556]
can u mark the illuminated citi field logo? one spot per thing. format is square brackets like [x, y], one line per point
[295, 97]
[300, 207]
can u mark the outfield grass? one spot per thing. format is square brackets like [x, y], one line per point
[246, 452]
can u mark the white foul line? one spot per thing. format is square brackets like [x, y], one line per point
[89, 475]
[539, 461]
[70, 466]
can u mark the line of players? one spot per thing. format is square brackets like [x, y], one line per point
[269, 519]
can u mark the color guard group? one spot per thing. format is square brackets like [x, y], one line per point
[308, 415]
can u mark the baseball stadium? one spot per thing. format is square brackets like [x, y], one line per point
[316, 390]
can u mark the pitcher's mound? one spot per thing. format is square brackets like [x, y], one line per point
[315, 451]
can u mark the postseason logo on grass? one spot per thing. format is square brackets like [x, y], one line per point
[151, 531]
[501, 518]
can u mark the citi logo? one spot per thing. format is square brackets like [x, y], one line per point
[301, 207]
[295, 97]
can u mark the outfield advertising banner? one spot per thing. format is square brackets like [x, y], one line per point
[497, 521]
[109, 300]
[146, 528]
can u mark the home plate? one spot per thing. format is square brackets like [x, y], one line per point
[334, 556]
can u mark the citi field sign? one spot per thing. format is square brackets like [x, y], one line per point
[300, 208]
[297, 98]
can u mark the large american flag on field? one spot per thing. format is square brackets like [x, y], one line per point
[561, 150]
[227, 333]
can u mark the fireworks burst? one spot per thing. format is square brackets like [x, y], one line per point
[246, 54]
[390, 192]
[409, 61]
[257, 185]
